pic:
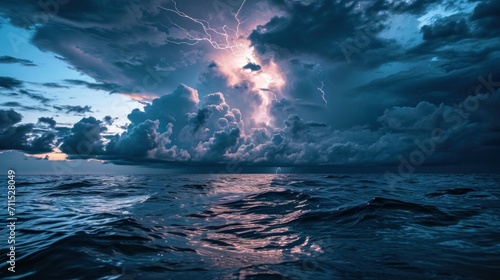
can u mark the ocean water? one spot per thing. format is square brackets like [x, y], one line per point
[257, 227]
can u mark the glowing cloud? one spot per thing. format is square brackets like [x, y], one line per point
[238, 61]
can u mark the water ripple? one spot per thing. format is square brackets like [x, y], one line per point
[258, 227]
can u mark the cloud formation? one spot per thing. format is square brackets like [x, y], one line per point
[15, 136]
[49, 121]
[10, 83]
[319, 82]
[77, 109]
[85, 138]
[215, 132]
[12, 60]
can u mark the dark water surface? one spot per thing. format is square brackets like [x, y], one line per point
[257, 227]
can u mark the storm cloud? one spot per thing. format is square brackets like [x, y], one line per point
[85, 138]
[281, 83]
[15, 136]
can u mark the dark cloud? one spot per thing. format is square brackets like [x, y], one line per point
[9, 93]
[108, 120]
[446, 28]
[487, 15]
[53, 85]
[200, 119]
[11, 60]
[22, 136]
[78, 110]
[85, 138]
[401, 131]
[297, 126]
[221, 142]
[173, 128]
[410, 7]
[252, 66]
[10, 83]
[35, 96]
[136, 142]
[95, 86]
[24, 107]
[121, 44]
[50, 121]
[43, 143]
[16, 137]
[9, 118]
[385, 96]
[319, 28]
[171, 108]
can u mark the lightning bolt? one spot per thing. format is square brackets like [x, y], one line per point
[237, 20]
[228, 45]
[321, 88]
[228, 39]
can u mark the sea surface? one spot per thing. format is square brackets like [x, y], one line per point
[256, 226]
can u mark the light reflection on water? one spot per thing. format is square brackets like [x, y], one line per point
[249, 226]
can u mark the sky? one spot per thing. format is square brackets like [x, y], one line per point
[249, 85]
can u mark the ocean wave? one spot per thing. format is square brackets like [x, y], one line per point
[257, 227]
